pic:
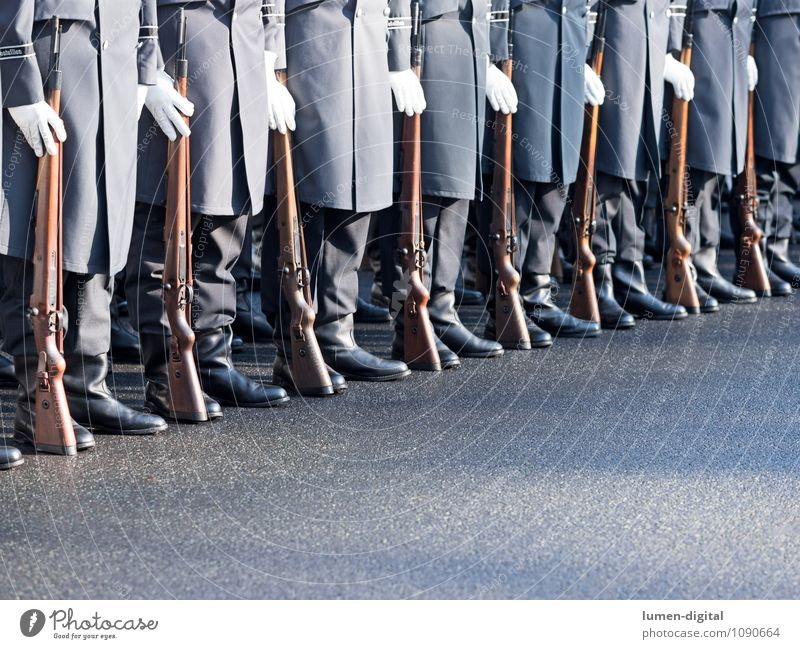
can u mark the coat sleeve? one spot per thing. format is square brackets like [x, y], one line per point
[399, 35]
[274, 14]
[676, 17]
[149, 54]
[20, 79]
[499, 11]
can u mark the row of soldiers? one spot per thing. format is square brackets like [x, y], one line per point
[349, 82]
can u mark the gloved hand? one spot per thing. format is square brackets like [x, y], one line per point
[281, 107]
[164, 102]
[680, 77]
[141, 97]
[35, 121]
[499, 90]
[594, 92]
[752, 73]
[407, 91]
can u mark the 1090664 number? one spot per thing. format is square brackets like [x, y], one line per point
[756, 632]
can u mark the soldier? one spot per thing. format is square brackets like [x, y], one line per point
[717, 131]
[342, 71]
[457, 78]
[101, 66]
[553, 82]
[634, 69]
[777, 126]
[228, 77]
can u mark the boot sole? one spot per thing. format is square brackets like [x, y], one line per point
[260, 404]
[612, 326]
[376, 379]
[289, 386]
[102, 430]
[24, 440]
[10, 465]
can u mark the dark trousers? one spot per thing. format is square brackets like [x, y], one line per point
[216, 245]
[444, 222]
[538, 208]
[86, 301]
[703, 218]
[620, 219]
[777, 184]
[335, 243]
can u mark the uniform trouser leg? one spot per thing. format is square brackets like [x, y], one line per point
[216, 245]
[619, 233]
[539, 209]
[703, 220]
[776, 189]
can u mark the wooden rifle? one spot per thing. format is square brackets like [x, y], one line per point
[419, 343]
[511, 329]
[679, 281]
[309, 372]
[186, 394]
[583, 303]
[53, 430]
[750, 270]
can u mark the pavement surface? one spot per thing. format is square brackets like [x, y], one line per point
[660, 462]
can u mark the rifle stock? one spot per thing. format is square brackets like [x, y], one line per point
[511, 329]
[53, 430]
[679, 282]
[750, 270]
[309, 372]
[583, 302]
[186, 394]
[419, 344]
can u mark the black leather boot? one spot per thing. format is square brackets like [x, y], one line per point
[7, 377]
[9, 457]
[282, 369]
[448, 360]
[156, 391]
[468, 296]
[222, 381]
[709, 279]
[708, 304]
[449, 328]
[612, 315]
[250, 323]
[538, 300]
[25, 369]
[778, 286]
[777, 258]
[631, 292]
[539, 338]
[377, 297]
[370, 313]
[93, 405]
[341, 353]
[124, 341]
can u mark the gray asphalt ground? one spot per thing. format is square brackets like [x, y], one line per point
[656, 463]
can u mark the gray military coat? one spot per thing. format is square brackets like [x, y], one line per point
[633, 74]
[549, 51]
[456, 34]
[338, 57]
[777, 54]
[230, 126]
[718, 113]
[104, 55]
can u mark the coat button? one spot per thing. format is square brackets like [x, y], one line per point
[387, 12]
[735, 19]
[235, 15]
[359, 12]
[563, 10]
[652, 14]
[105, 45]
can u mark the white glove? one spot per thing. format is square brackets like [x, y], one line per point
[141, 97]
[407, 91]
[164, 102]
[35, 121]
[681, 78]
[499, 90]
[281, 107]
[594, 92]
[752, 73]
